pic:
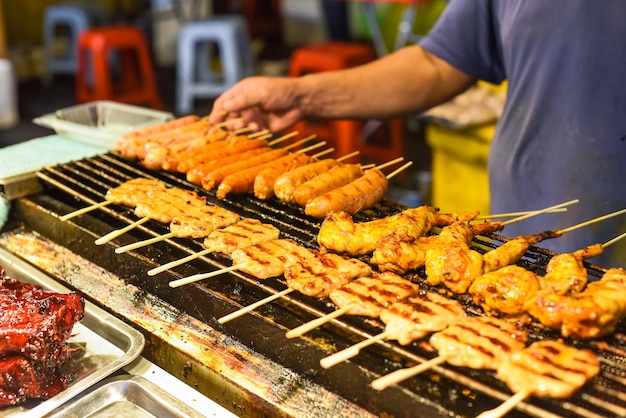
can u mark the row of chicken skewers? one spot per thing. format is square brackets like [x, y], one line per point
[238, 162]
[263, 254]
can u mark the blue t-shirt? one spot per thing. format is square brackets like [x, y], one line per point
[562, 134]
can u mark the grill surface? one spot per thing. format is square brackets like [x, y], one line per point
[442, 391]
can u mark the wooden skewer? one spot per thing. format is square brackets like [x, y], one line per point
[403, 374]
[304, 328]
[139, 244]
[614, 240]
[539, 212]
[242, 130]
[322, 153]
[266, 136]
[311, 147]
[591, 221]
[201, 276]
[178, 262]
[252, 307]
[283, 138]
[388, 163]
[345, 157]
[506, 406]
[351, 351]
[85, 210]
[114, 234]
[298, 143]
[404, 167]
[366, 166]
[259, 134]
[510, 214]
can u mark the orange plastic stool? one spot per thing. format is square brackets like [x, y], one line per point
[134, 83]
[345, 135]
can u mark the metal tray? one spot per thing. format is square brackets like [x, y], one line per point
[125, 396]
[103, 343]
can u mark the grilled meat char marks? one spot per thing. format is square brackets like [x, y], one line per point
[267, 259]
[34, 327]
[242, 234]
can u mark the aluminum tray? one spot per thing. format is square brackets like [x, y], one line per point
[126, 396]
[104, 344]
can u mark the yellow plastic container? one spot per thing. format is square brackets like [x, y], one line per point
[459, 167]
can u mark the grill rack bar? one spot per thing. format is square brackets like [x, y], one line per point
[87, 181]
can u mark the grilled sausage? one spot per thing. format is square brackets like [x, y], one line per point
[360, 194]
[286, 184]
[211, 153]
[201, 170]
[264, 181]
[325, 182]
[215, 177]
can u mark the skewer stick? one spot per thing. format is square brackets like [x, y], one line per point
[506, 406]
[345, 157]
[539, 212]
[403, 374]
[178, 262]
[304, 328]
[259, 133]
[201, 276]
[366, 166]
[228, 122]
[252, 307]
[388, 163]
[266, 136]
[114, 234]
[614, 240]
[242, 130]
[311, 147]
[283, 138]
[404, 167]
[322, 153]
[139, 244]
[300, 142]
[351, 351]
[510, 214]
[85, 210]
[591, 221]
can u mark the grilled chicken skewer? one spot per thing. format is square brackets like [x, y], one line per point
[545, 368]
[127, 194]
[226, 240]
[314, 274]
[365, 296]
[406, 321]
[475, 342]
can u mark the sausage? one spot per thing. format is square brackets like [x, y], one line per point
[177, 136]
[200, 171]
[127, 143]
[215, 177]
[185, 151]
[325, 182]
[286, 184]
[243, 181]
[264, 181]
[211, 153]
[360, 194]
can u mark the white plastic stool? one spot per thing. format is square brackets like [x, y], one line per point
[76, 18]
[196, 42]
[8, 98]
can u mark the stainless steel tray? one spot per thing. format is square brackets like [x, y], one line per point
[103, 343]
[125, 396]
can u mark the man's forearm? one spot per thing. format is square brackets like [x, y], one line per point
[406, 82]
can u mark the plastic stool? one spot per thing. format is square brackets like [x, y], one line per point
[196, 40]
[76, 19]
[346, 135]
[96, 80]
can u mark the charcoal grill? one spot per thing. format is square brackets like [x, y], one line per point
[247, 364]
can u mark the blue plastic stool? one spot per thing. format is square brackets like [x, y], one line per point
[76, 18]
[197, 41]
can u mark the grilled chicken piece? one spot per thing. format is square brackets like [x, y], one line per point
[417, 316]
[511, 251]
[320, 274]
[478, 342]
[451, 262]
[505, 291]
[268, 259]
[549, 368]
[134, 191]
[590, 314]
[200, 222]
[368, 296]
[399, 255]
[566, 274]
[165, 205]
[242, 234]
[339, 233]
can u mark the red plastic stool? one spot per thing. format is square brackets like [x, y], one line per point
[134, 83]
[345, 135]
